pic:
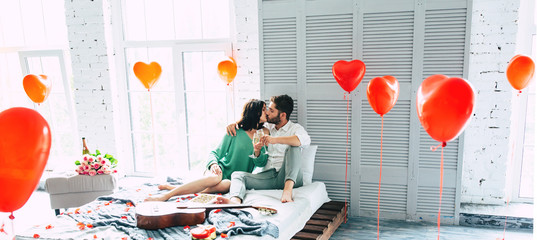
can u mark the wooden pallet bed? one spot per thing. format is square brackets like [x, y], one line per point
[324, 222]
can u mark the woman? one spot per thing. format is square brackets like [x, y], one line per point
[233, 154]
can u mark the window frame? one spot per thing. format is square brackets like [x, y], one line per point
[67, 89]
[528, 30]
[178, 47]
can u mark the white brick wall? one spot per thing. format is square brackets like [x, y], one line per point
[87, 24]
[246, 52]
[486, 146]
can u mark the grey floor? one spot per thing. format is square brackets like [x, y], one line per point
[366, 228]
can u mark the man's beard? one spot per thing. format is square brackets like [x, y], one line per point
[275, 120]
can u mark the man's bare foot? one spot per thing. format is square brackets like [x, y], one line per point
[287, 196]
[161, 198]
[165, 187]
[223, 200]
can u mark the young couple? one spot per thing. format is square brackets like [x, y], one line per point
[231, 164]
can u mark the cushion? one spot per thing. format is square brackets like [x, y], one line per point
[80, 183]
[308, 163]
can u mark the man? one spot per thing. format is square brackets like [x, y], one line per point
[282, 170]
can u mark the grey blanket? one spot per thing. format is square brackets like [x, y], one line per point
[118, 210]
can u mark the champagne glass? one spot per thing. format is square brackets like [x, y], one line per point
[255, 139]
[261, 133]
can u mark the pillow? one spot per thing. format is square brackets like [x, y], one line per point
[308, 163]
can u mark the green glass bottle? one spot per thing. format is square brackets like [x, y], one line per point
[85, 149]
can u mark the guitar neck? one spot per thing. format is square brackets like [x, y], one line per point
[216, 206]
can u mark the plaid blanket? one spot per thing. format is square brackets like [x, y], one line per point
[118, 210]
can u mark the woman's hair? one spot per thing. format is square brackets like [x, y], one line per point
[251, 114]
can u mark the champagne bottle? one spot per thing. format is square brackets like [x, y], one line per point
[85, 149]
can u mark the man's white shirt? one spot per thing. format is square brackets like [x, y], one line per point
[277, 151]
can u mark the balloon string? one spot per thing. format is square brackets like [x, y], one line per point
[508, 197]
[509, 184]
[380, 178]
[346, 154]
[433, 148]
[441, 186]
[12, 223]
[153, 133]
[231, 92]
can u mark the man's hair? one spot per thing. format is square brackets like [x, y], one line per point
[284, 103]
[251, 113]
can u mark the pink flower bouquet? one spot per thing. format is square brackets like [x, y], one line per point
[95, 164]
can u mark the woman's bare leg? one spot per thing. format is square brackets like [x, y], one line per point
[189, 188]
[221, 187]
[166, 187]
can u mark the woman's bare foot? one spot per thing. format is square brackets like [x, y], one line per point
[223, 200]
[287, 196]
[160, 198]
[165, 187]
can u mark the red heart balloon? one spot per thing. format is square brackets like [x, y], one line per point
[148, 74]
[227, 70]
[382, 93]
[348, 74]
[37, 87]
[444, 106]
[520, 71]
[24, 148]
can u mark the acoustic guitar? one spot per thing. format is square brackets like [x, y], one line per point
[157, 215]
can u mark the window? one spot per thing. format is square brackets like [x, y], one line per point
[525, 127]
[175, 125]
[58, 108]
[34, 25]
[146, 20]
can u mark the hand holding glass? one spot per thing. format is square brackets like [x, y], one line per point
[261, 133]
[255, 140]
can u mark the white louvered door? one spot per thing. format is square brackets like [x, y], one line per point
[328, 38]
[408, 39]
[445, 34]
[316, 34]
[387, 49]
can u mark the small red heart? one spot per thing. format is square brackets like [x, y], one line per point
[37, 87]
[382, 93]
[520, 71]
[444, 106]
[348, 74]
[148, 74]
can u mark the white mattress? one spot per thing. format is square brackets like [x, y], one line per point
[290, 219]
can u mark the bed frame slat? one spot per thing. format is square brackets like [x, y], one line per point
[324, 222]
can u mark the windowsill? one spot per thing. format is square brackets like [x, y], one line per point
[524, 210]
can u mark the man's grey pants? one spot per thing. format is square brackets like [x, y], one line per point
[269, 179]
